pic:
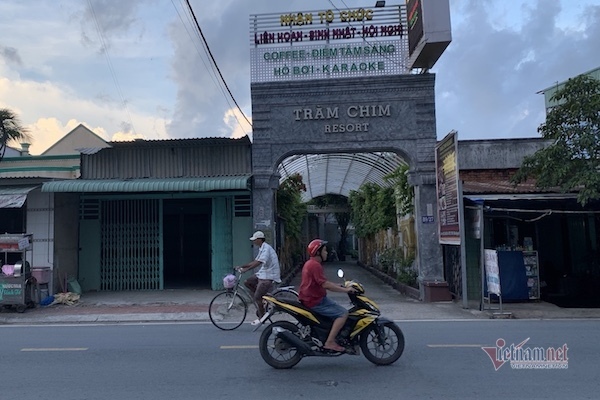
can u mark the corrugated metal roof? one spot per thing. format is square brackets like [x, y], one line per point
[167, 159]
[192, 142]
[339, 173]
[206, 184]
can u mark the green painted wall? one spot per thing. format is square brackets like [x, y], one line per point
[222, 240]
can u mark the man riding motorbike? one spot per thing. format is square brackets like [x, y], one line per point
[313, 292]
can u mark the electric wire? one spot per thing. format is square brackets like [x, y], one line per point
[207, 47]
[543, 212]
[209, 68]
[111, 68]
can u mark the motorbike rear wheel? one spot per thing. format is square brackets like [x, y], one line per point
[382, 344]
[275, 351]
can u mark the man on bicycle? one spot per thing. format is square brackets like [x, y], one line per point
[261, 282]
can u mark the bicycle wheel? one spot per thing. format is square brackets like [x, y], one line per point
[227, 311]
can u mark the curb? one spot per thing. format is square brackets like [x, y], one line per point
[115, 318]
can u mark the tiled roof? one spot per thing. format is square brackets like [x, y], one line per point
[494, 181]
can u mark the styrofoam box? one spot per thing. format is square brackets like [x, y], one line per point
[42, 275]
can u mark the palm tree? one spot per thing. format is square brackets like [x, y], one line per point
[11, 130]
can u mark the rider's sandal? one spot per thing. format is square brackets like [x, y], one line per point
[343, 349]
[331, 351]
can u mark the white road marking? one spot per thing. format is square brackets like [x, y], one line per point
[55, 349]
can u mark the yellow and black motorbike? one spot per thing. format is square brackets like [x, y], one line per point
[285, 342]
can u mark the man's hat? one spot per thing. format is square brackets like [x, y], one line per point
[258, 235]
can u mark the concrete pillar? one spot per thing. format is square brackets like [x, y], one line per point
[263, 204]
[432, 285]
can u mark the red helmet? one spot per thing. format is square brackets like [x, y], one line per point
[314, 247]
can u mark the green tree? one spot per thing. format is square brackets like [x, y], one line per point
[405, 193]
[373, 209]
[292, 211]
[342, 218]
[11, 130]
[571, 161]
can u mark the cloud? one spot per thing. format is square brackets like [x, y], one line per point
[10, 55]
[489, 76]
[152, 76]
[237, 125]
[52, 105]
[103, 20]
[203, 106]
[126, 136]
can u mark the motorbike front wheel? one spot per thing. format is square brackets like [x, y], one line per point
[275, 351]
[382, 344]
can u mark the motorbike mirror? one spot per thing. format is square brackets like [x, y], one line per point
[341, 273]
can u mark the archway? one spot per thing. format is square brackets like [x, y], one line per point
[394, 114]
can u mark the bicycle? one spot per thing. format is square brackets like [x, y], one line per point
[228, 309]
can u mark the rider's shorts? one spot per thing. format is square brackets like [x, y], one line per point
[329, 308]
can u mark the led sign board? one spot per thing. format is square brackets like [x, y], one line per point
[429, 32]
[328, 44]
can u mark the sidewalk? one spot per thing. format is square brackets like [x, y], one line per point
[192, 305]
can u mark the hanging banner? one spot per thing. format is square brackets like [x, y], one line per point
[492, 272]
[446, 165]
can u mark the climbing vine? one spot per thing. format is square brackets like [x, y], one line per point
[374, 207]
[290, 206]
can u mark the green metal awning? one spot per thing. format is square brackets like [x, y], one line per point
[14, 196]
[207, 184]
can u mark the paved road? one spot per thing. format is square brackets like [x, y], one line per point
[443, 359]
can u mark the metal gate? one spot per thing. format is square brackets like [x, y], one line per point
[131, 245]
[453, 269]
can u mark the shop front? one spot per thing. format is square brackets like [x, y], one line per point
[546, 248]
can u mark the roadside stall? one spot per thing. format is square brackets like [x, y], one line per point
[17, 286]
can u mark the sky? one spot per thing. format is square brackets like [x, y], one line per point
[138, 69]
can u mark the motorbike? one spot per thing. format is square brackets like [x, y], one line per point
[284, 343]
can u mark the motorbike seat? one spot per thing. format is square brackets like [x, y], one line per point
[320, 317]
[298, 304]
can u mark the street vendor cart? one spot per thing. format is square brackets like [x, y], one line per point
[17, 285]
